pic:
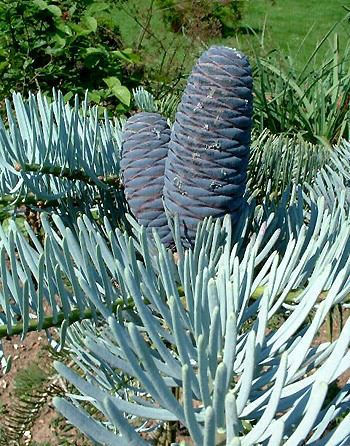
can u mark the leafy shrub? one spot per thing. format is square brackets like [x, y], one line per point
[203, 18]
[164, 54]
[73, 46]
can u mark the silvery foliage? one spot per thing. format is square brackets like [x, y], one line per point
[56, 135]
[145, 101]
[213, 343]
[192, 324]
[211, 340]
[278, 161]
[333, 179]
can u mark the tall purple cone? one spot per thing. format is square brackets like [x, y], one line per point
[144, 151]
[205, 172]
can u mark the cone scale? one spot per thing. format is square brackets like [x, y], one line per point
[205, 171]
[144, 151]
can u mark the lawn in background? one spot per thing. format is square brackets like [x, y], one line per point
[288, 24]
[293, 26]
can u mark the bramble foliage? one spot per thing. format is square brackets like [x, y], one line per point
[203, 18]
[73, 46]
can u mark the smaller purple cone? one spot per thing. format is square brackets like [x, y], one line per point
[144, 151]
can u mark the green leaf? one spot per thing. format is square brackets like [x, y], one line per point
[97, 8]
[68, 96]
[59, 41]
[93, 56]
[72, 10]
[95, 96]
[40, 4]
[112, 82]
[127, 55]
[122, 93]
[90, 23]
[64, 28]
[55, 10]
[79, 30]
[94, 51]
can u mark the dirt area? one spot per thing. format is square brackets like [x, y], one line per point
[47, 425]
[32, 349]
[324, 336]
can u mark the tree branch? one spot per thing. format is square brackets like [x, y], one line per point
[28, 199]
[88, 313]
[49, 322]
[76, 174]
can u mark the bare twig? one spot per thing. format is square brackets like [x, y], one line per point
[146, 26]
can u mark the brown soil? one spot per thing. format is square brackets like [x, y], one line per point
[22, 352]
[48, 425]
[31, 349]
[324, 336]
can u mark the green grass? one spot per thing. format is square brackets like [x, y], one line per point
[282, 24]
[29, 379]
[288, 22]
[165, 54]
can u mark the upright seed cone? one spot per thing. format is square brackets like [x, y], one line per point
[205, 171]
[144, 150]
